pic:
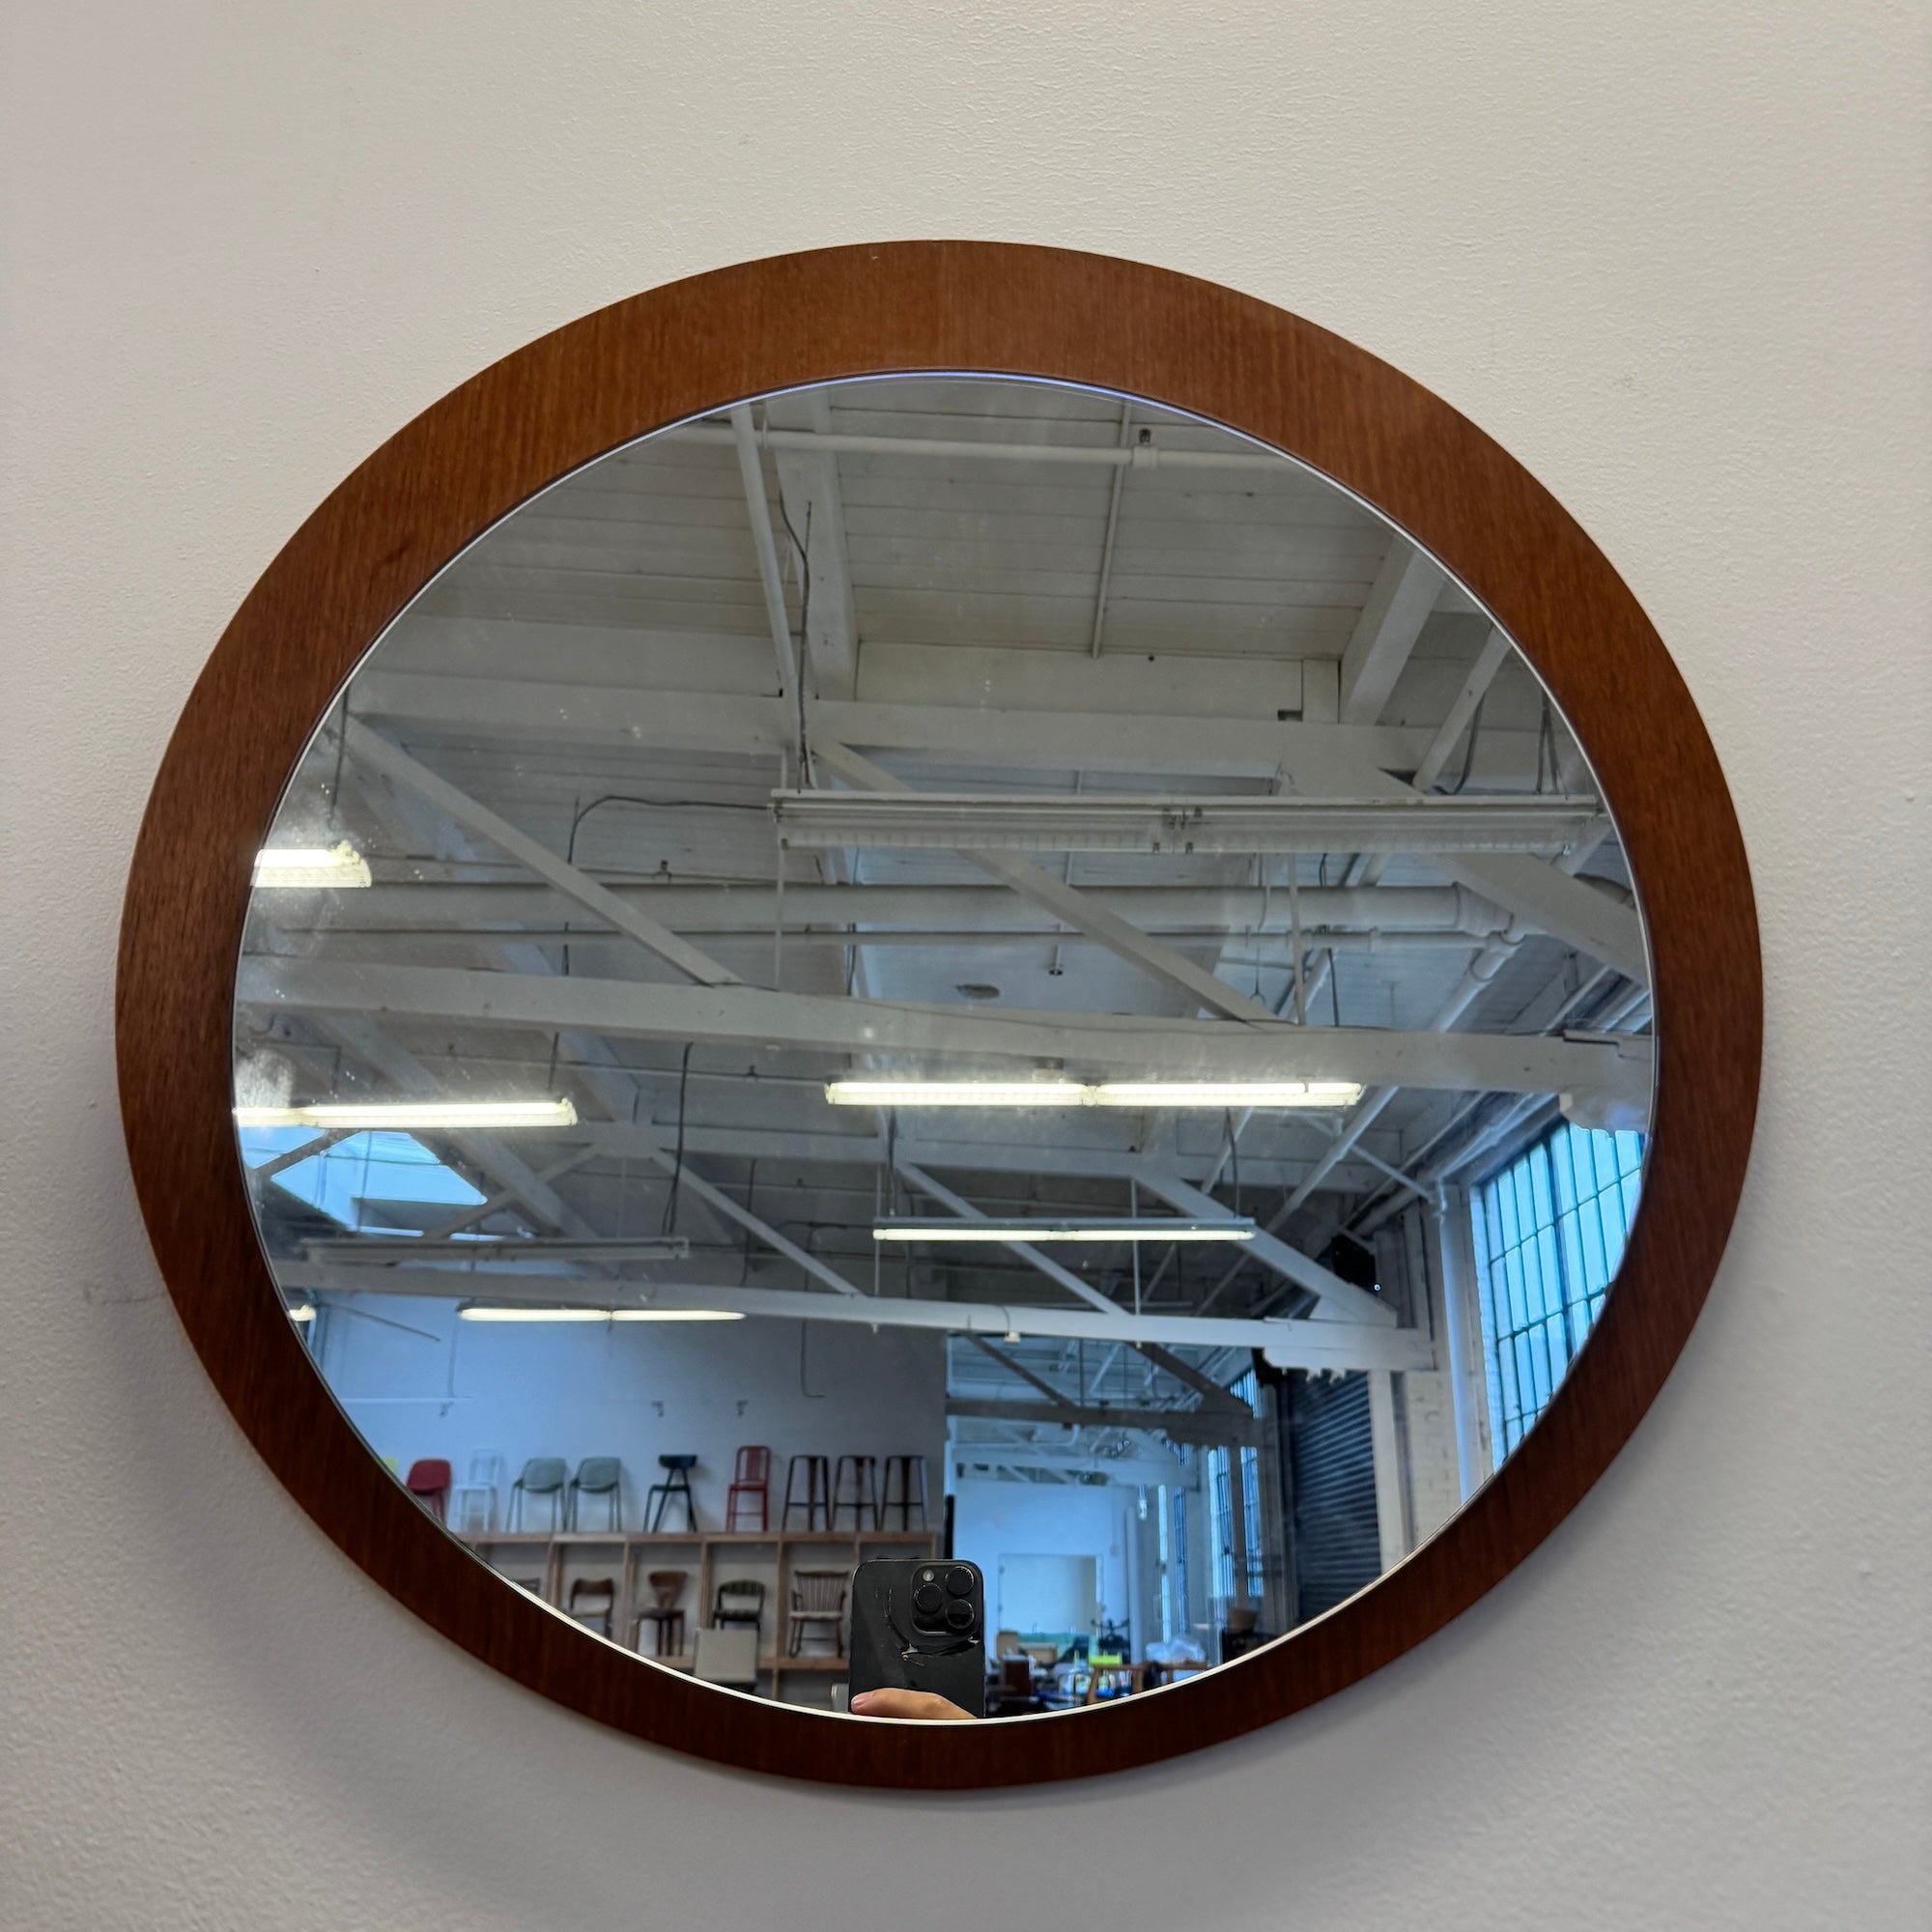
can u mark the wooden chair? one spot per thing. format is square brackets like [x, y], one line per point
[817, 1606]
[740, 1599]
[593, 1602]
[665, 1612]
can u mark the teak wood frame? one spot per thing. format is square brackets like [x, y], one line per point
[822, 317]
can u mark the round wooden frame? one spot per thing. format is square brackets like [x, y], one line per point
[815, 318]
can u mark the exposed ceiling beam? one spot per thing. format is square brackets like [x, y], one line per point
[1211, 1428]
[1342, 1298]
[1315, 1345]
[760, 1230]
[367, 1042]
[1063, 902]
[375, 754]
[1120, 1047]
[964, 1208]
[1019, 1369]
[1399, 602]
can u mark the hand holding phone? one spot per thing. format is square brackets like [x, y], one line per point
[919, 1626]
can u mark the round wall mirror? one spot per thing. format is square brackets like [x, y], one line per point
[920, 1047]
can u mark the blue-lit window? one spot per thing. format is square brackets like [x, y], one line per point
[353, 1180]
[1223, 1471]
[1549, 1231]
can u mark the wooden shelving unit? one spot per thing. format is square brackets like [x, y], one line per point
[548, 1562]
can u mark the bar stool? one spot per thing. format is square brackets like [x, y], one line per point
[596, 1477]
[428, 1481]
[855, 1486]
[542, 1476]
[750, 1482]
[675, 1486]
[665, 1612]
[910, 1471]
[817, 1502]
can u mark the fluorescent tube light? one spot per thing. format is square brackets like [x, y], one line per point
[1066, 822]
[1081, 1228]
[337, 866]
[954, 1093]
[536, 1313]
[1225, 1093]
[408, 1116]
[306, 1313]
[1218, 1094]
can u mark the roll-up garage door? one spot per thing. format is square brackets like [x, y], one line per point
[1337, 1548]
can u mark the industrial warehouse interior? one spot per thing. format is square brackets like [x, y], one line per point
[945, 967]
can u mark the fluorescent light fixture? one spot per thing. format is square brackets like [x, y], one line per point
[1225, 1093]
[410, 1116]
[334, 865]
[306, 1313]
[533, 1313]
[1078, 1228]
[954, 1093]
[1084, 822]
[468, 1250]
[1219, 1094]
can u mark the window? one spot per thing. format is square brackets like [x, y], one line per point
[359, 1181]
[1550, 1230]
[1224, 1470]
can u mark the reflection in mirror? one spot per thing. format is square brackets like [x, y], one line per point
[943, 972]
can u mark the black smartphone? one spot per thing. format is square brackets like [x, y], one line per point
[921, 1625]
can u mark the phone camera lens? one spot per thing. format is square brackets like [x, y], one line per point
[958, 1615]
[960, 1582]
[927, 1599]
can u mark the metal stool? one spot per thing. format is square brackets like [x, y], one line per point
[676, 1485]
[750, 1482]
[817, 1502]
[855, 1486]
[910, 1470]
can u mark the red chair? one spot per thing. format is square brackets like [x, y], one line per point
[428, 1481]
[750, 1480]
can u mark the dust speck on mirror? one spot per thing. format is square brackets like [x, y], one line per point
[941, 1048]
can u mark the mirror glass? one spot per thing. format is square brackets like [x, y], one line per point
[946, 970]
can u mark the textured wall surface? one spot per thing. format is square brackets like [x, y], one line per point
[1674, 257]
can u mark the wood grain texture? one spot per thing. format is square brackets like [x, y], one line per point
[818, 317]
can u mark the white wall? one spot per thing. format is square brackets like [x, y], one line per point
[1672, 256]
[991, 1520]
[635, 1392]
